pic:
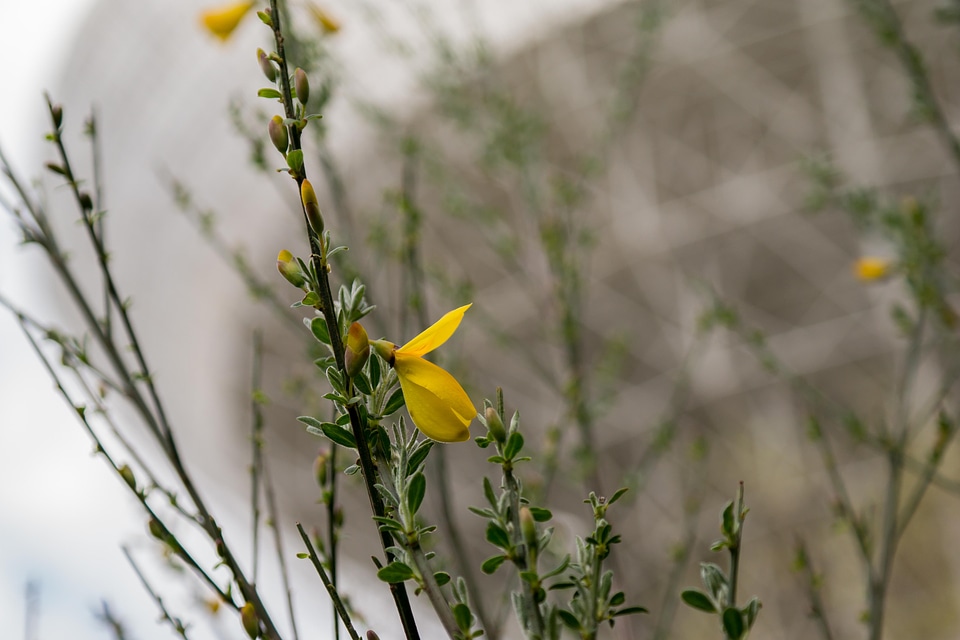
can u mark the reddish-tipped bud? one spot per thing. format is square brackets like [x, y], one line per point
[302, 85]
[278, 134]
[311, 206]
[372, 635]
[251, 624]
[495, 425]
[266, 65]
[289, 269]
[358, 349]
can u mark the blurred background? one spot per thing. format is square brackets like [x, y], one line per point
[593, 175]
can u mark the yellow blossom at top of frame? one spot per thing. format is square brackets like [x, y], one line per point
[869, 268]
[222, 21]
[328, 23]
[438, 405]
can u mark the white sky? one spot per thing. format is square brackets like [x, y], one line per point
[62, 516]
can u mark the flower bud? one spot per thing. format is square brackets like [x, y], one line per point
[385, 349]
[278, 134]
[289, 269]
[251, 624]
[267, 66]
[311, 206]
[320, 467]
[495, 425]
[372, 635]
[157, 530]
[127, 474]
[358, 349]
[302, 85]
[528, 527]
[56, 112]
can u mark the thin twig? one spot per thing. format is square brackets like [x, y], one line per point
[165, 616]
[331, 590]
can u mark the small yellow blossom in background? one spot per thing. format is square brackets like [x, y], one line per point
[222, 21]
[869, 268]
[212, 605]
[437, 403]
[327, 22]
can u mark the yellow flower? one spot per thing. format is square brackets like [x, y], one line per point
[437, 403]
[869, 268]
[327, 22]
[223, 20]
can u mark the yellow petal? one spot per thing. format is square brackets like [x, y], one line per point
[223, 20]
[435, 335]
[870, 268]
[437, 403]
[327, 22]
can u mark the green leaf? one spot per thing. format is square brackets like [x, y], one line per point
[442, 577]
[513, 446]
[569, 620]
[310, 422]
[751, 611]
[490, 565]
[726, 521]
[497, 536]
[733, 623]
[419, 455]
[268, 93]
[415, 492]
[362, 383]
[318, 326]
[463, 616]
[303, 555]
[395, 572]
[295, 160]
[374, 370]
[698, 600]
[629, 611]
[617, 599]
[395, 403]
[540, 514]
[617, 495]
[310, 299]
[339, 435]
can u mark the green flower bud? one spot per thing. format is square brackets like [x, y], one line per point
[267, 66]
[528, 527]
[278, 134]
[56, 112]
[289, 269]
[311, 206]
[495, 425]
[251, 624]
[358, 349]
[385, 349]
[127, 474]
[320, 467]
[302, 85]
[157, 530]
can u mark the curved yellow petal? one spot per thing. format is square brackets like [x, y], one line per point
[437, 403]
[434, 336]
[223, 20]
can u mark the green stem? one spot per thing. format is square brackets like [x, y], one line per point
[331, 590]
[318, 253]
